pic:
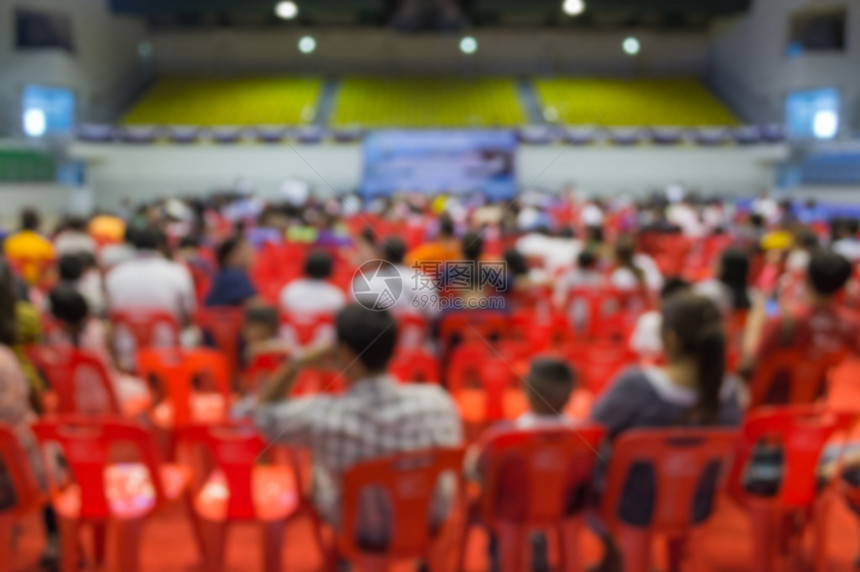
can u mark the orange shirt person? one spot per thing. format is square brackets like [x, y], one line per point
[430, 257]
[27, 249]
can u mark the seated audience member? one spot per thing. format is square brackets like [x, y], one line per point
[431, 256]
[634, 271]
[691, 389]
[730, 289]
[73, 238]
[313, 294]
[27, 248]
[116, 253]
[232, 285]
[260, 332]
[820, 325]
[646, 340]
[151, 281]
[80, 272]
[376, 417]
[584, 275]
[17, 309]
[418, 295]
[79, 329]
[847, 241]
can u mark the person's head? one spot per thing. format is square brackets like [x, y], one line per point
[30, 219]
[734, 273]
[446, 226]
[672, 286]
[848, 228]
[393, 250]
[235, 252]
[318, 265]
[69, 308]
[516, 263]
[549, 383]
[261, 324]
[473, 245]
[586, 260]
[189, 243]
[149, 238]
[75, 224]
[828, 273]
[693, 335]
[71, 267]
[594, 234]
[365, 341]
[757, 221]
[8, 300]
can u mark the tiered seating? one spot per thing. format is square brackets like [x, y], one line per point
[232, 101]
[606, 102]
[428, 102]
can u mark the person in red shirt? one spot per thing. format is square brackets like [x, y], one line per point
[815, 327]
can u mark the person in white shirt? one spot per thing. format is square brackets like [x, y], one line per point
[632, 270]
[312, 294]
[73, 238]
[846, 242]
[149, 280]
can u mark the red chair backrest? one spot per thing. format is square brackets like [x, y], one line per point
[305, 329]
[409, 480]
[470, 325]
[235, 450]
[262, 365]
[69, 371]
[177, 369]
[412, 331]
[681, 459]
[19, 471]
[415, 366]
[477, 365]
[805, 372]
[86, 445]
[530, 475]
[146, 324]
[598, 363]
[225, 327]
[803, 431]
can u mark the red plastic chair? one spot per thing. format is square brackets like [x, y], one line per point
[598, 363]
[71, 373]
[103, 493]
[803, 431]
[177, 370]
[412, 331]
[805, 374]
[27, 495]
[529, 479]
[239, 489]
[224, 325]
[469, 325]
[409, 481]
[303, 330]
[261, 366]
[683, 464]
[415, 366]
[146, 326]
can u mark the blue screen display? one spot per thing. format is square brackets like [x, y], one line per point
[442, 161]
[57, 106]
[812, 113]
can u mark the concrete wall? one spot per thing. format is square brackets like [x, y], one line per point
[115, 171]
[749, 66]
[104, 71]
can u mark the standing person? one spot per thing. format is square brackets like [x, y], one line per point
[691, 389]
[375, 418]
[232, 285]
[27, 248]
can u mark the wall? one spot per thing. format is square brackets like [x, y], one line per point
[748, 65]
[371, 51]
[104, 72]
[116, 171]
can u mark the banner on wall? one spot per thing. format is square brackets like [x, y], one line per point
[440, 161]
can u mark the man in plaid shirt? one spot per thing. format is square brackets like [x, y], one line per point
[376, 416]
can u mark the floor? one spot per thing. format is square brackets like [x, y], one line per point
[168, 544]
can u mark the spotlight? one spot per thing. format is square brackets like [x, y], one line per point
[286, 10]
[573, 7]
[825, 124]
[307, 44]
[468, 45]
[631, 46]
[35, 123]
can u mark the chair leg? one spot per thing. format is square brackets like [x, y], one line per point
[100, 530]
[635, 546]
[819, 531]
[69, 545]
[568, 542]
[128, 541]
[675, 548]
[214, 535]
[695, 552]
[7, 525]
[510, 541]
[763, 519]
[273, 543]
[195, 521]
